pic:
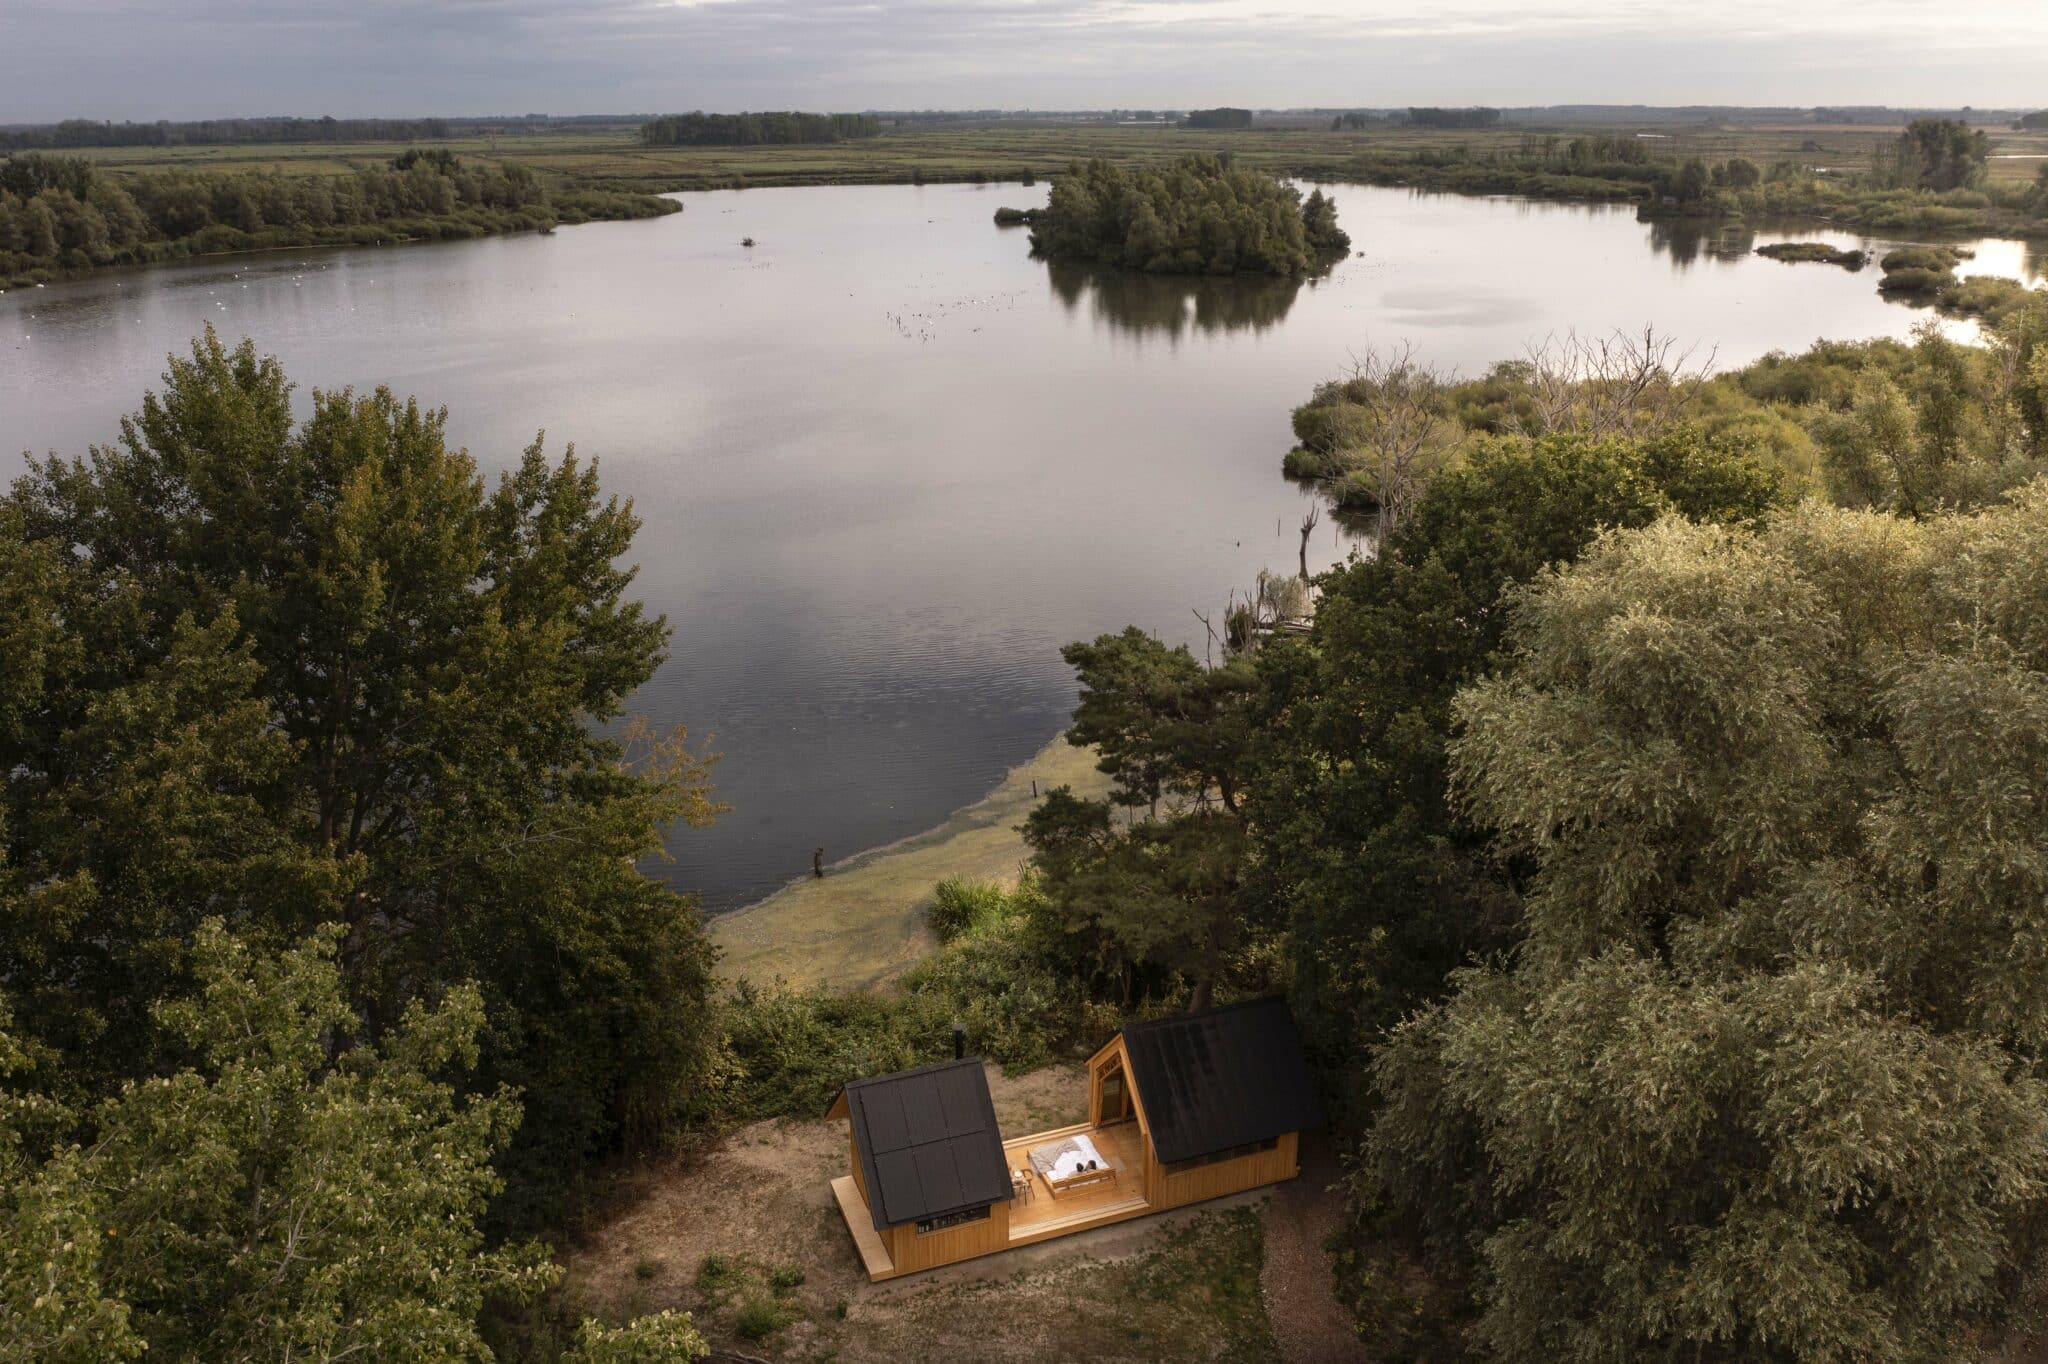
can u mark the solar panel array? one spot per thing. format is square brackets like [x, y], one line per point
[928, 1142]
[1221, 1078]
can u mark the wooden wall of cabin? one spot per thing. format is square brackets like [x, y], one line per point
[909, 1252]
[860, 1179]
[1224, 1177]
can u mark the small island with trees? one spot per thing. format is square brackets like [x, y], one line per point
[1199, 216]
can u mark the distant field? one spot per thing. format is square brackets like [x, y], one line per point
[1007, 151]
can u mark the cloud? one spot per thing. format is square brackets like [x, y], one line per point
[145, 59]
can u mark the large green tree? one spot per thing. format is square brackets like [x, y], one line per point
[1758, 1082]
[292, 672]
[290, 1195]
[1354, 839]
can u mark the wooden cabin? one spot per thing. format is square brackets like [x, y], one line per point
[1180, 1110]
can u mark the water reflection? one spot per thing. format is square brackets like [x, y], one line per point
[873, 537]
[1173, 305]
[1685, 240]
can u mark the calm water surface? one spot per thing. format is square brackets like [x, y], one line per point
[887, 462]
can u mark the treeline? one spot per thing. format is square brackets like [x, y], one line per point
[1222, 117]
[1650, 836]
[82, 132]
[1932, 178]
[1201, 215]
[326, 976]
[62, 215]
[754, 130]
[1478, 117]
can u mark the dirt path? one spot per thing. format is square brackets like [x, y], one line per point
[1308, 1322]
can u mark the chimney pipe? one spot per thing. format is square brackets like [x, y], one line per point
[959, 1043]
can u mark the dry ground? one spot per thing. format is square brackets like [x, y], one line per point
[1187, 1285]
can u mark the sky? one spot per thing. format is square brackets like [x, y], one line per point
[181, 59]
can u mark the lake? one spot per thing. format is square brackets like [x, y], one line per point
[887, 462]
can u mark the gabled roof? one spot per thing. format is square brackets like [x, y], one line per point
[1221, 1078]
[927, 1141]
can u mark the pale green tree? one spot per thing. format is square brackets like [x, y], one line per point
[1756, 1084]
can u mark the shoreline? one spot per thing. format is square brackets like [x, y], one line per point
[862, 924]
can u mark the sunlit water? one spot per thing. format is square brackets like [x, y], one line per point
[887, 462]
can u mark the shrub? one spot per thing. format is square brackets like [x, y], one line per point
[758, 1319]
[784, 1278]
[961, 907]
[714, 1272]
[792, 1050]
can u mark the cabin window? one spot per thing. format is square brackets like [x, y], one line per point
[952, 1219]
[1114, 1106]
[1250, 1148]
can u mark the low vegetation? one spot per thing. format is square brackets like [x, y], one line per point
[1830, 418]
[63, 215]
[756, 130]
[1847, 257]
[1932, 177]
[1201, 216]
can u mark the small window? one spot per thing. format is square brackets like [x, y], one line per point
[1250, 1148]
[952, 1219]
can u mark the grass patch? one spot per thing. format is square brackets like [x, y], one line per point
[760, 1318]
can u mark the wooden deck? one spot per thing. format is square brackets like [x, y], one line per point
[1039, 1215]
[874, 1256]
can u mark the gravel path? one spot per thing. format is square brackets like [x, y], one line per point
[1309, 1323]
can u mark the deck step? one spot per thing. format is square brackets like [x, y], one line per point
[874, 1256]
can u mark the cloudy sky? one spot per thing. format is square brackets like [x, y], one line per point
[145, 59]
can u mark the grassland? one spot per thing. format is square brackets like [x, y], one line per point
[864, 922]
[1011, 150]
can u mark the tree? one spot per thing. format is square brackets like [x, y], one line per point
[1145, 907]
[392, 681]
[1934, 430]
[287, 1196]
[1354, 840]
[1201, 215]
[1936, 154]
[1164, 724]
[1754, 1084]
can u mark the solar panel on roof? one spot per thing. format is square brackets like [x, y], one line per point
[927, 1141]
[1221, 1078]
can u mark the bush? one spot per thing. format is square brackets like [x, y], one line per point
[1000, 974]
[714, 1272]
[785, 1278]
[792, 1050]
[1912, 280]
[959, 907]
[1820, 252]
[758, 1319]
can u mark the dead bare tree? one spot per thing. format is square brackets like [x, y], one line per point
[1308, 528]
[1619, 384]
[1395, 434]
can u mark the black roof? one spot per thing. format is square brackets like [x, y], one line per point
[1221, 1078]
[927, 1142]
